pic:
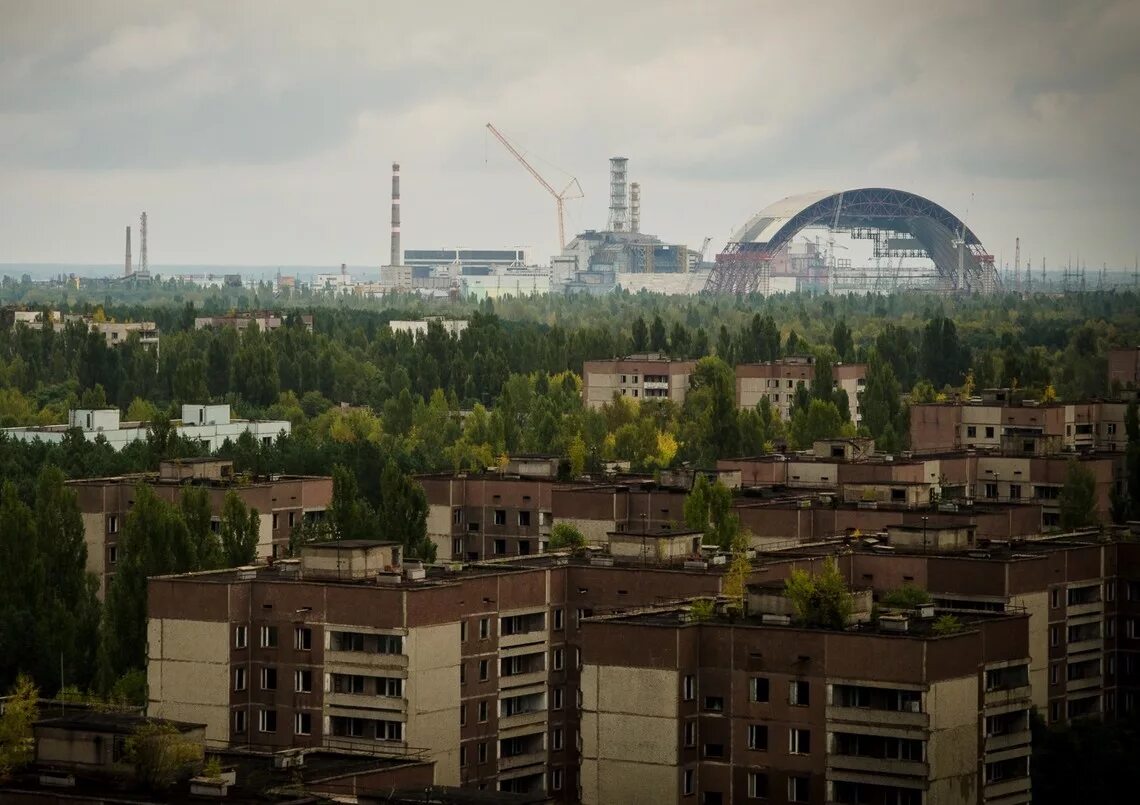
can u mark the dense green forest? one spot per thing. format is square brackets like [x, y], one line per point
[372, 407]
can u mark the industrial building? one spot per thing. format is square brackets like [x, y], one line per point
[209, 424]
[596, 262]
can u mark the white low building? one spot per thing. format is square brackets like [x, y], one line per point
[208, 424]
[418, 329]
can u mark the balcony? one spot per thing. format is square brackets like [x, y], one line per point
[904, 719]
[1095, 644]
[529, 718]
[1004, 696]
[364, 659]
[363, 701]
[1006, 788]
[523, 638]
[1091, 608]
[877, 765]
[519, 761]
[519, 680]
[1084, 683]
[999, 743]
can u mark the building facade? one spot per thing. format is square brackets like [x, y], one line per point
[777, 380]
[282, 503]
[649, 376]
[1124, 368]
[676, 710]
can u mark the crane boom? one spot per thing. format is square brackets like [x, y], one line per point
[559, 198]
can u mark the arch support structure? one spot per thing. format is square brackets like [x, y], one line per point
[898, 221]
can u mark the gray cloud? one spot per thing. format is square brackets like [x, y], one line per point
[260, 117]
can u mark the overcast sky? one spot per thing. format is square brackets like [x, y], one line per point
[262, 132]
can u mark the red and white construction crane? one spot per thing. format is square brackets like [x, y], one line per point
[559, 198]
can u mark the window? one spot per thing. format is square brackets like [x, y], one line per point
[484, 628]
[463, 715]
[556, 780]
[758, 689]
[1054, 673]
[687, 782]
[239, 721]
[484, 670]
[500, 547]
[239, 678]
[267, 721]
[303, 724]
[1110, 428]
[798, 789]
[799, 741]
[798, 693]
[714, 750]
[275, 521]
[524, 518]
[457, 547]
[989, 432]
[1055, 598]
[292, 519]
[556, 739]
[113, 554]
[389, 731]
[758, 737]
[482, 711]
[500, 516]
[558, 625]
[269, 679]
[462, 673]
[757, 785]
[483, 752]
[991, 490]
[971, 431]
[1055, 711]
[269, 637]
[113, 524]
[388, 644]
[463, 756]
[303, 638]
[1015, 491]
[1054, 635]
[714, 704]
[690, 733]
[463, 631]
[559, 659]
[473, 525]
[688, 688]
[557, 699]
[457, 516]
[241, 636]
[303, 681]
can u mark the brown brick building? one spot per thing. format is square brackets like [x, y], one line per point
[477, 668]
[282, 501]
[680, 710]
[1124, 367]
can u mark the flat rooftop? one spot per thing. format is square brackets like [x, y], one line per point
[679, 615]
[111, 722]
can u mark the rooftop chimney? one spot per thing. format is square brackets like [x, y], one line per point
[618, 202]
[397, 257]
[635, 207]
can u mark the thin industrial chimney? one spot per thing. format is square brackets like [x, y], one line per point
[618, 202]
[144, 267]
[634, 207]
[397, 255]
[127, 263]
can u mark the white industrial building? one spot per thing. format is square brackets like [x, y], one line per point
[209, 424]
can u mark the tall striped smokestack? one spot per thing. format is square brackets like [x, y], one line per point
[397, 255]
[127, 262]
